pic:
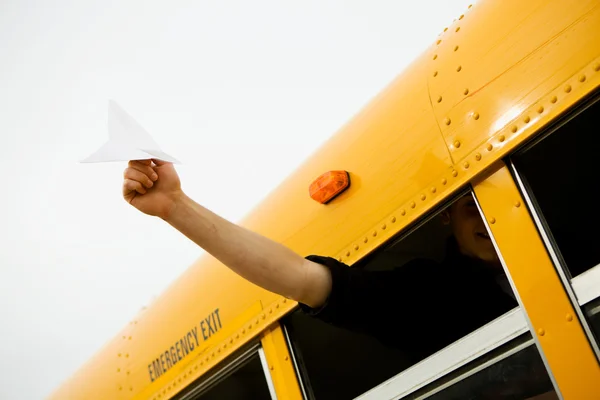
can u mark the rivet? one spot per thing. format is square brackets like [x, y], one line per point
[466, 165]
[126, 355]
[447, 121]
[501, 138]
[270, 312]
[527, 119]
[514, 129]
[244, 330]
[457, 144]
[403, 212]
[129, 337]
[201, 362]
[553, 99]
[597, 67]
[128, 372]
[366, 239]
[423, 197]
[470, 5]
[582, 78]
[455, 48]
[276, 305]
[135, 322]
[444, 181]
[433, 189]
[230, 341]
[445, 29]
[196, 368]
[466, 92]
[339, 259]
[439, 99]
[461, 17]
[569, 317]
[348, 253]
[263, 316]
[517, 204]
[492, 220]
[489, 147]
[568, 88]
[454, 173]
[457, 28]
[286, 358]
[541, 332]
[118, 369]
[438, 41]
[272, 368]
[412, 204]
[478, 156]
[374, 233]
[355, 247]
[120, 388]
[435, 56]
[393, 219]
[458, 68]
[540, 109]
[124, 337]
[384, 226]
[434, 74]
[476, 116]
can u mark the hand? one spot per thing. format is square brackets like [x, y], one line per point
[152, 186]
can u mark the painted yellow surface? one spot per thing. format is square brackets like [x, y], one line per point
[280, 364]
[559, 332]
[522, 64]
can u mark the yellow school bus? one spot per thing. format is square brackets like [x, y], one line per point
[494, 108]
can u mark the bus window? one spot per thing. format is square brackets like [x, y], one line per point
[592, 311]
[553, 173]
[243, 378]
[513, 373]
[447, 281]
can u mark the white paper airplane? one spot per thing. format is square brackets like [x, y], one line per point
[127, 140]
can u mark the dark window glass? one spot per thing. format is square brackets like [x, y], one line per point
[435, 295]
[558, 172]
[246, 382]
[519, 376]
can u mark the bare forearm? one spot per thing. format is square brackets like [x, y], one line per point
[258, 259]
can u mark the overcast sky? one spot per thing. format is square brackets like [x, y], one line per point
[240, 91]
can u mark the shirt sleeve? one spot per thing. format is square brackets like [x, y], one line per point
[370, 302]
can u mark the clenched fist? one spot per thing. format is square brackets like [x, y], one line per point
[152, 186]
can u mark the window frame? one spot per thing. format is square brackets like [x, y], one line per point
[569, 283]
[489, 337]
[222, 373]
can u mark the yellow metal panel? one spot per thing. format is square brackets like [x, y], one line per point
[489, 70]
[554, 321]
[280, 364]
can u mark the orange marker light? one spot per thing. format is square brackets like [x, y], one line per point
[329, 185]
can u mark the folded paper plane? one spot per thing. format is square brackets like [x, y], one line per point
[127, 140]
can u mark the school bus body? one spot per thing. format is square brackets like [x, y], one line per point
[494, 78]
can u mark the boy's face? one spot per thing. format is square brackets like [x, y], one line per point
[469, 230]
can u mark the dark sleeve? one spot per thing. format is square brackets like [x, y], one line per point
[382, 304]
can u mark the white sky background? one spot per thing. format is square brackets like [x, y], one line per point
[240, 91]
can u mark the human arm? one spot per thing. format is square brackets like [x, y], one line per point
[154, 188]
